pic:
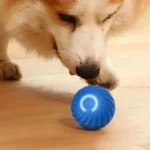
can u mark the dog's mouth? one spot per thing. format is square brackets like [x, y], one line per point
[71, 73]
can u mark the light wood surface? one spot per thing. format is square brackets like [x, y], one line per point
[37, 117]
[35, 112]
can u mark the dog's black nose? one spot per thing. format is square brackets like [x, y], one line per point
[87, 71]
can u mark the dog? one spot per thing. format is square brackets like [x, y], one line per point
[75, 31]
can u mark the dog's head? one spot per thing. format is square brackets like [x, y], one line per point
[79, 28]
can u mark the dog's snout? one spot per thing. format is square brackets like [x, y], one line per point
[87, 71]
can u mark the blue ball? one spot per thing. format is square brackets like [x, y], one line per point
[93, 107]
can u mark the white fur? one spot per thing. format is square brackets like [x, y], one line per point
[87, 41]
[33, 24]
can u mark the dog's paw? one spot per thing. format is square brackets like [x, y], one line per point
[9, 71]
[110, 84]
[106, 79]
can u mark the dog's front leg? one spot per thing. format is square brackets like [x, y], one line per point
[27, 24]
[8, 70]
[107, 77]
[35, 39]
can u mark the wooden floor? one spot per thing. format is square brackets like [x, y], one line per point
[34, 118]
[35, 112]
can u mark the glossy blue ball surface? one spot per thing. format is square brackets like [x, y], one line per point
[93, 107]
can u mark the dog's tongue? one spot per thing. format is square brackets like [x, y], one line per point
[71, 73]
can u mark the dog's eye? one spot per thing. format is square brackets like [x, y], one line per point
[67, 18]
[107, 18]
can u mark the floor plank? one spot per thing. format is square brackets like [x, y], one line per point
[33, 117]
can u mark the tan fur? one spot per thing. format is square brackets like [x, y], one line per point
[35, 24]
[115, 1]
[141, 7]
[60, 5]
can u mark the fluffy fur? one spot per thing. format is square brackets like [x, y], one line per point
[45, 27]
